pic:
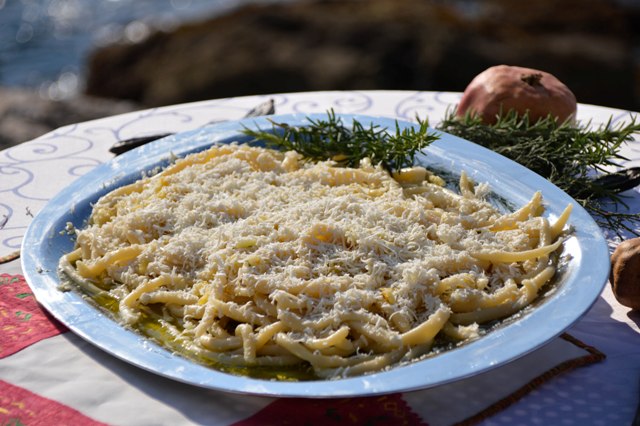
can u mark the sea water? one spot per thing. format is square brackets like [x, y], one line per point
[44, 43]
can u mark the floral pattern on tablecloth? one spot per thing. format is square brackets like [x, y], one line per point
[22, 321]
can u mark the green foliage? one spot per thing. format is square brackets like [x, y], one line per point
[575, 158]
[330, 139]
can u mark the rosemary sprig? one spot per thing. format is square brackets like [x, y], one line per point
[331, 139]
[569, 155]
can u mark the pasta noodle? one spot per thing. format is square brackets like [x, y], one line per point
[250, 257]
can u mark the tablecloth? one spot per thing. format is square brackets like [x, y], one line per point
[589, 375]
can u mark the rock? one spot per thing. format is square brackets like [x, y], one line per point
[25, 115]
[282, 48]
[383, 44]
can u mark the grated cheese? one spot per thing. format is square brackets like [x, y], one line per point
[255, 237]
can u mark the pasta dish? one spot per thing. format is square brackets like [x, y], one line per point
[251, 258]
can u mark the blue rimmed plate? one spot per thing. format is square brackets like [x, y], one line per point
[578, 285]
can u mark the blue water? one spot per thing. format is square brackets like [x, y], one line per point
[44, 43]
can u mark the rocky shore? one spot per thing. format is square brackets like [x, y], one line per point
[591, 45]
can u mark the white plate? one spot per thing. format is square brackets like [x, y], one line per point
[577, 287]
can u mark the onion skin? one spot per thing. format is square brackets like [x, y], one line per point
[503, 88]
[625, 273]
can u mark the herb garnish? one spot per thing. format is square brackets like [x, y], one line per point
[568, 155]
[330, 139]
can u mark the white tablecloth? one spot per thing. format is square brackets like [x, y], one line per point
[66, 369]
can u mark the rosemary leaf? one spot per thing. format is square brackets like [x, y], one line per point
[571, 156]
[331, 139]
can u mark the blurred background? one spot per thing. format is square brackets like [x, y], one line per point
[64, 61]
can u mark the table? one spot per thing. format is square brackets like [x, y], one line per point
[591, 375]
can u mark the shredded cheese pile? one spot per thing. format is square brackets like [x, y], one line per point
[251, 256]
